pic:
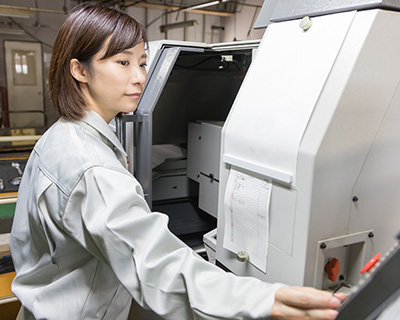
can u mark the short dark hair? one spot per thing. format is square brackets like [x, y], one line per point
[82, 36]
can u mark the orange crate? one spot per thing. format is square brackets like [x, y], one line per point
[5, 284]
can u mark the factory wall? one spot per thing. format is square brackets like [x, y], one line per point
[43, 27]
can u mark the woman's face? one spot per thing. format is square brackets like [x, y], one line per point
[115, 84]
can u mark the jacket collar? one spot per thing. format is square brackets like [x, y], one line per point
[94, 120]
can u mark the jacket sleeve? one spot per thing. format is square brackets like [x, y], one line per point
[109, 216]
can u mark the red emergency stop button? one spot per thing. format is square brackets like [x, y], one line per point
[333, 268]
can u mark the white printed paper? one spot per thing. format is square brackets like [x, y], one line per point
[246, 203]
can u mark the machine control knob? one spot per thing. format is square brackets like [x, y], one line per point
[333, 268]
[305, 23]
[242, 256]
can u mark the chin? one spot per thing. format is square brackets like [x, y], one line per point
[133, 109]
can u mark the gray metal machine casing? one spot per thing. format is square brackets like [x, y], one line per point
[317, 115]
[282, 10]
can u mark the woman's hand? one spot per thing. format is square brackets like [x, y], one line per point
[305, 303]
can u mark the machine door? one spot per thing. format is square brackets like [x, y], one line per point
[187, 83]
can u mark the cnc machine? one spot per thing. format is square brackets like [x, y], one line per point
[315, 131]
[309, 176]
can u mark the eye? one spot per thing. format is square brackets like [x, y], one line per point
[143, 65]
[124, 62]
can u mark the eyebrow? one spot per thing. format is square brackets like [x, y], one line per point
[144, 55]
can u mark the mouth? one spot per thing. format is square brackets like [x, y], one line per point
[135, 95]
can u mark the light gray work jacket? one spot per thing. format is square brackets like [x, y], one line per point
[84, 241]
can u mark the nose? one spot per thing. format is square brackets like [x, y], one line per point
[139, 75]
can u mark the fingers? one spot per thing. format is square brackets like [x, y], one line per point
[340, 296]
[307, 297]
[290, 313]
[305, 303]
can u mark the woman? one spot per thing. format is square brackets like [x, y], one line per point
[84, 242]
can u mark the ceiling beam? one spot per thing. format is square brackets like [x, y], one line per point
[176, 8]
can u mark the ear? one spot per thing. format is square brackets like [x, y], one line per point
[78, 71]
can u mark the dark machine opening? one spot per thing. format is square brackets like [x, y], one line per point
[201, 87]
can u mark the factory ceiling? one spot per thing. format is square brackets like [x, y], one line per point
[223, 8]
[209, 7]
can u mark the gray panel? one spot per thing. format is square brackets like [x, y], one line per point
[294, 9]
[143, 136]
[157, 79]
[265, 14]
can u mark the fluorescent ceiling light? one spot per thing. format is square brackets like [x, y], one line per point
[204, 5]
[189, 23]
[15, 12]
[18, 32]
